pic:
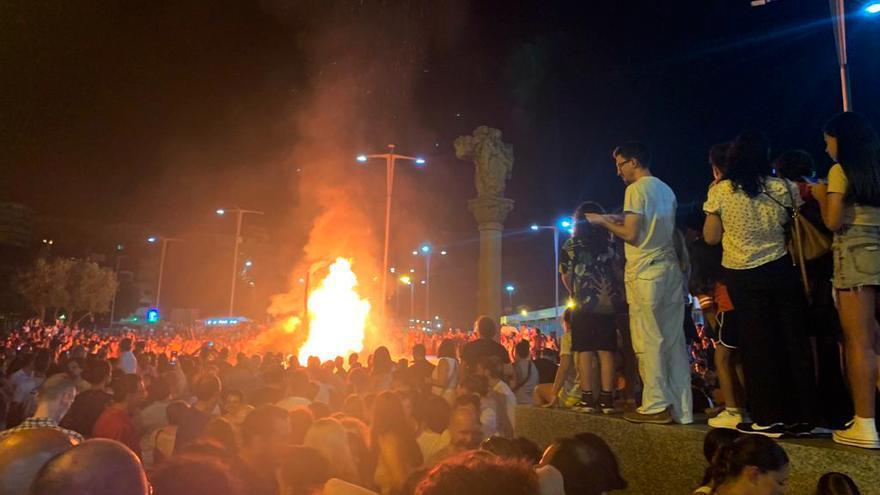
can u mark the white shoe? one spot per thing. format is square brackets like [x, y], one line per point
[727, 419]
[864, 437]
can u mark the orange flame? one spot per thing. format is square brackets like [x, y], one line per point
[337, 315]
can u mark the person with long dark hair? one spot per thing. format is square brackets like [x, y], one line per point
[590, 272]
[850, 205]
[393, 442]
[751, 209]
[750, 466]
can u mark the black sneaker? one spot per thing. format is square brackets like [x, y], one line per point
[774, 430]
[799, 430]
[587, 404]
[606, 402]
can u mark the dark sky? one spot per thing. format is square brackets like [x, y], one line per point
[154, 113]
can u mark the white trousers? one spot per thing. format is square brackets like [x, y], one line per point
[656, 320]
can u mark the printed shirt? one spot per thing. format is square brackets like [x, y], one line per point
[754, 228]
[852, 214]
[596, 281]
[34, 423]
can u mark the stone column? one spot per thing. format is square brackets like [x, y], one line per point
[490, 213]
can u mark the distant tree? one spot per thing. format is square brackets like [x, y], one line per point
[79, 286]
[45, 285]
[91, 289]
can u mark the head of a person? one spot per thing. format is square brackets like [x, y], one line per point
[851, 141]
[486, 327]
[587, 464]
[354, 406]
[476, 474]
[56, 394]
[418, 352]
[24, 452]
[748, 164]
[501, 446]
[523, 349]
[631, 159]
[320, 410]
[718, 159]
[465, 431]
[94, 467]
[794, 165]
[232, 400]
[474, 384]
[716, 439]
[207, 388]
[125, 345]
[159, 389]
[491, 367]
[128, 389]
[595, 237]
[301, 420]
[189, 473]
[433, 413]
[390, 417]
[447, 349]
[836, 484]
[331, 439]
[753, 463]
[222, 432]
[74, 368]
[175, 412]
[353, 359]
[382, 362]
[265, 432]
[303, 471]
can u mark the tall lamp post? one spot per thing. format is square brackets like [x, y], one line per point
[390, 159]
[510, 288]
[164, 241]
[240, 213]
[566, 224]
[426, 250]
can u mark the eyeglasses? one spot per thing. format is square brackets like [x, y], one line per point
[621, 164]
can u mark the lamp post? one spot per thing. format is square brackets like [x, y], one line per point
[164, 241]
[240, 213]
[510, 288]
[390, 159]
[427, 250]
[564, 223]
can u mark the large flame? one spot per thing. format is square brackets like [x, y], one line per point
[337, 315]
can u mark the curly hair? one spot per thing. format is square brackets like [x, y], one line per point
[474, 473]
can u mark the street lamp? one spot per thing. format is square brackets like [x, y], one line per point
[164, 240]
[240, 213]
[563, 223]
[407, 280]
[510, 290]
[872, 8]
[426, 250]
[390, 159]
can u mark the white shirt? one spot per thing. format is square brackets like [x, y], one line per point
[504, 391]
[128, 363]
[521, 370]
[654, 202]
[753, 227]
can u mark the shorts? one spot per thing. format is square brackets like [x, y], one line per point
[593, 332]
[856, 256]
[728, 331]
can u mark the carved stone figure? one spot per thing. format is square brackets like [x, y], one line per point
[493, 158]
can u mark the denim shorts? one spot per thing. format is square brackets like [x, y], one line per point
[856, 256]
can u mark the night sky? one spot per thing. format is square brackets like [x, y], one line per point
[155, 113]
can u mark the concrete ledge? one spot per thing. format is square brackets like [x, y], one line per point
[668, 459]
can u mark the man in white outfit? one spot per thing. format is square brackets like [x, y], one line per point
[654, 288]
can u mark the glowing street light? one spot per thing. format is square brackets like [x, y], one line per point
[151, 240]
[426, 250]
[240, 213]
[248, 263]
[407, 280]
[390, 160]
[872, 8]
[510, 290]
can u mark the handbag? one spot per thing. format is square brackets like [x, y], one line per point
[805, 242]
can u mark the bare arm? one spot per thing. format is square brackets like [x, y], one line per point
[831, 206]
[561, 372]
[628, 230]
[712, 229]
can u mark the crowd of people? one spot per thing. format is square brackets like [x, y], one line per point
[785, 269]
[92, 413]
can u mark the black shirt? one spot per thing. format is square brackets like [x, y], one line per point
[546, 370]
[84, 411]
[472, 352]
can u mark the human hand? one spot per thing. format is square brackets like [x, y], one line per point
[595, 218]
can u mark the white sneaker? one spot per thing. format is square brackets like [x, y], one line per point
[727, 419]
[864, 437]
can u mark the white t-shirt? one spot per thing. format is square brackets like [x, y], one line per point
[128, 363]
[526, 373]
[754, 232]
[503, 391]
[655, 203]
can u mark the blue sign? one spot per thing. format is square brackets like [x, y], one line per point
[153, 315]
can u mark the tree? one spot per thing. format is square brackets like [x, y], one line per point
[79, 286]
[91, 289]
[46, 284]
